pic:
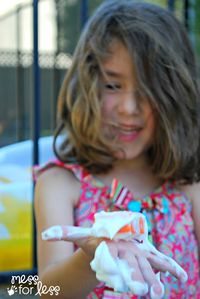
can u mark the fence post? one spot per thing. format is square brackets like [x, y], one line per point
[186, 14]
[36, 86]
[84, 12]
[171, 5]
[19, 87]
[36, 109]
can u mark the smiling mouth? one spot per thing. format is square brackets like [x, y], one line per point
[129, 126]
[128, 130]
[128, 134]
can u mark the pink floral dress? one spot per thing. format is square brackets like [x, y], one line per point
[168, 213]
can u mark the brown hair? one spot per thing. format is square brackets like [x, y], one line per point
[165, 69]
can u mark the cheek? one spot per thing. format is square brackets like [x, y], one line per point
[108, 105]
[151, 123]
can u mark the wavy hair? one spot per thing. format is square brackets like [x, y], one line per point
[165, 69]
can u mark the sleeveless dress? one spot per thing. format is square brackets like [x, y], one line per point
[168, 213]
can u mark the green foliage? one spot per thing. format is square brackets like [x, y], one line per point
[158, 2]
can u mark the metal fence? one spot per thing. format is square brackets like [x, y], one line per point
[16, 93]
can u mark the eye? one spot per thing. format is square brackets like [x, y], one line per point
[112, 86]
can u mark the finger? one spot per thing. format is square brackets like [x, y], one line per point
[132, 275]
[65, 233]
[157, 290]
[156, 287]
[166, 264]
[180, 273]
[112, 246]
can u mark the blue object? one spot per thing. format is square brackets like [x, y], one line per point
[134, 206]
[165, 206]
[84, 12]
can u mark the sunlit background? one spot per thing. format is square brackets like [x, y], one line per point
[60, 23]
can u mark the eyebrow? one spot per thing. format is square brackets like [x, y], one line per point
[113, 74]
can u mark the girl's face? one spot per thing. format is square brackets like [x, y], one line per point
[126, 114]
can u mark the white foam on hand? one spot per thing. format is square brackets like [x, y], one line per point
[114, 271]
[53, 233]
[135, 287]
[107, 269]
[109, 224]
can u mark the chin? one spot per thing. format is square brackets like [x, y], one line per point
[130, 154]
[121, 155]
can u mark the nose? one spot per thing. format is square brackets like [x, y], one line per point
[128, 104]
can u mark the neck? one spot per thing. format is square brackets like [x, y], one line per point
[136, 175]
[137, 166]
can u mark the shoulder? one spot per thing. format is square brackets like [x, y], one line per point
[59, 182]
[56, 193]
[192, 191]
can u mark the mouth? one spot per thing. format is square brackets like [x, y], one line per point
[128, 133]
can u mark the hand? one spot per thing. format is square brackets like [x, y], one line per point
[146, 262]
[88, 245]
[141, 257]
[143, 261]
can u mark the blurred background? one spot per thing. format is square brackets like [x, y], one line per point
[60, 23]
[25, 85]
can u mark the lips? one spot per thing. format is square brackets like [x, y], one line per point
[127, 132]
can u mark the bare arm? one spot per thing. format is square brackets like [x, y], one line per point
[55, 195]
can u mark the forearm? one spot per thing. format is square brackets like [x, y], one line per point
[73, 275]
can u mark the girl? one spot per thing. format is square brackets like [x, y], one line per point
[129, 115]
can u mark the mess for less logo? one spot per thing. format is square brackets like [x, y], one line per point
[30, 285]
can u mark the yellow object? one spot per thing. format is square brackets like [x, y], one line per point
[16, 224]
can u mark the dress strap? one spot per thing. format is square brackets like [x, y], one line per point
[79, 172]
